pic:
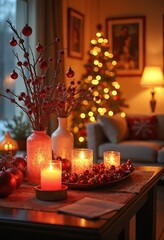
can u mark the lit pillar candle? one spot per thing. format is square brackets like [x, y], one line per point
[51, 176]
[111, 158]
[82, 159]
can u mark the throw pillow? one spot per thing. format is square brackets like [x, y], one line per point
[142, 127]
[115, 127]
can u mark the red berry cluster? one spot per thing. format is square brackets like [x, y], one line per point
[42, 98]
[99, 174]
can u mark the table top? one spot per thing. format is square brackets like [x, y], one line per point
[44, 217]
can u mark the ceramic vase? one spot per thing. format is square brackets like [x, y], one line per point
[38, 151]
[62, 141]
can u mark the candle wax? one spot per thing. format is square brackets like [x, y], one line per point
[50, 178]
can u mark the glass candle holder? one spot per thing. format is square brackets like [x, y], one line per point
[111, 158]
[82, 159]
[51, 175]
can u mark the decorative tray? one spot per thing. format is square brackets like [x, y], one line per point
[116, 178]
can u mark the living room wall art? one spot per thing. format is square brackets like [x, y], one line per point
[163, 43]
[126, 36]
[75, 33]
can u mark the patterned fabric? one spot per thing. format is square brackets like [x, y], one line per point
[142, 127]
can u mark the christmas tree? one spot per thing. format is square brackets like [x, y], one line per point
[100, 73]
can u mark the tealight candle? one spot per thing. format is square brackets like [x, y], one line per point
[82, 159]
[111, 158]
[51, 174]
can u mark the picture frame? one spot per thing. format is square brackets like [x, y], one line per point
[75, 33]
[163, 43]
[126, 36]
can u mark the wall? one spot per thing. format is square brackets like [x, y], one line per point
[96, 11]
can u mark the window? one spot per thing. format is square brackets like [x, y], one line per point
[9, 9]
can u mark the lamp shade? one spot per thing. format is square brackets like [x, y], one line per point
[152, 77]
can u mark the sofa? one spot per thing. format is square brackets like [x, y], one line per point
[139, 137]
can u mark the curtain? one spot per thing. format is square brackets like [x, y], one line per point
[46, 16]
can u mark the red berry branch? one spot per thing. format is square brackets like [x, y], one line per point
[42, 97]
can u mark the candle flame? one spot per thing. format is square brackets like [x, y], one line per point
[82, 155]
[51, 168]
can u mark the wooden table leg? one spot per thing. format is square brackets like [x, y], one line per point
[146, 218]
[124, 234]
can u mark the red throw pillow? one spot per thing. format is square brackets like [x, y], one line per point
[142, 127]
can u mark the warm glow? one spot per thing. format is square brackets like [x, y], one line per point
[96, 62]
[85, 102]
[100, 40]
[107, 54]
[93, 41]
[98, 77]
[95, 82]
[95, 93]
[106, 90]
[82, 159]
[94, 109]
[98, 101]
[106, 96]
[81, 139]
[92, 119]
[114, 63]
[114, 93]
[123, 114]
[116, 85]
[89, 77]
[152, 77]
[96, 69]
[93, 52]
[100, 65]
[90, 114]
[111, 158]
[110, 113]
[8, 144]
[51, 176]
[82, 115]
[98, 34]
[76, 129]
[102, 111]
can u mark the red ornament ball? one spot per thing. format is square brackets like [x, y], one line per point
[7, 183]
[39, 48]
[13, 42]
[14, 75]
[27, 30]
[70, 73]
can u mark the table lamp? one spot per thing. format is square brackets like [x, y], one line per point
[152, 77]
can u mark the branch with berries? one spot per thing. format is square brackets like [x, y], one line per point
[42, 97]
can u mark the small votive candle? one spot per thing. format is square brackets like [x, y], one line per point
[51, 175]
[82, 159]
[111, 158]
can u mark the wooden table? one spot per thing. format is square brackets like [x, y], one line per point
[29, 224]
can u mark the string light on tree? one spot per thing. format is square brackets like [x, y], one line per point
[100, 71]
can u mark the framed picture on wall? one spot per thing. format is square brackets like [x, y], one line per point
[163, 43]
[75, 33]
[126, 36]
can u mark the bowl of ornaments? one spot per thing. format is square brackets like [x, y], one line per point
[98, 177]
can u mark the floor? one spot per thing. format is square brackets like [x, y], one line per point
[160, 215]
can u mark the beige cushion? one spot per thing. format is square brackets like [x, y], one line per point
[115, 127]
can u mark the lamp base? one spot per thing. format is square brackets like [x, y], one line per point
[153, 105]
[152, 101]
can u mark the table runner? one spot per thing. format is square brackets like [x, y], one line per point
[24, 197]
